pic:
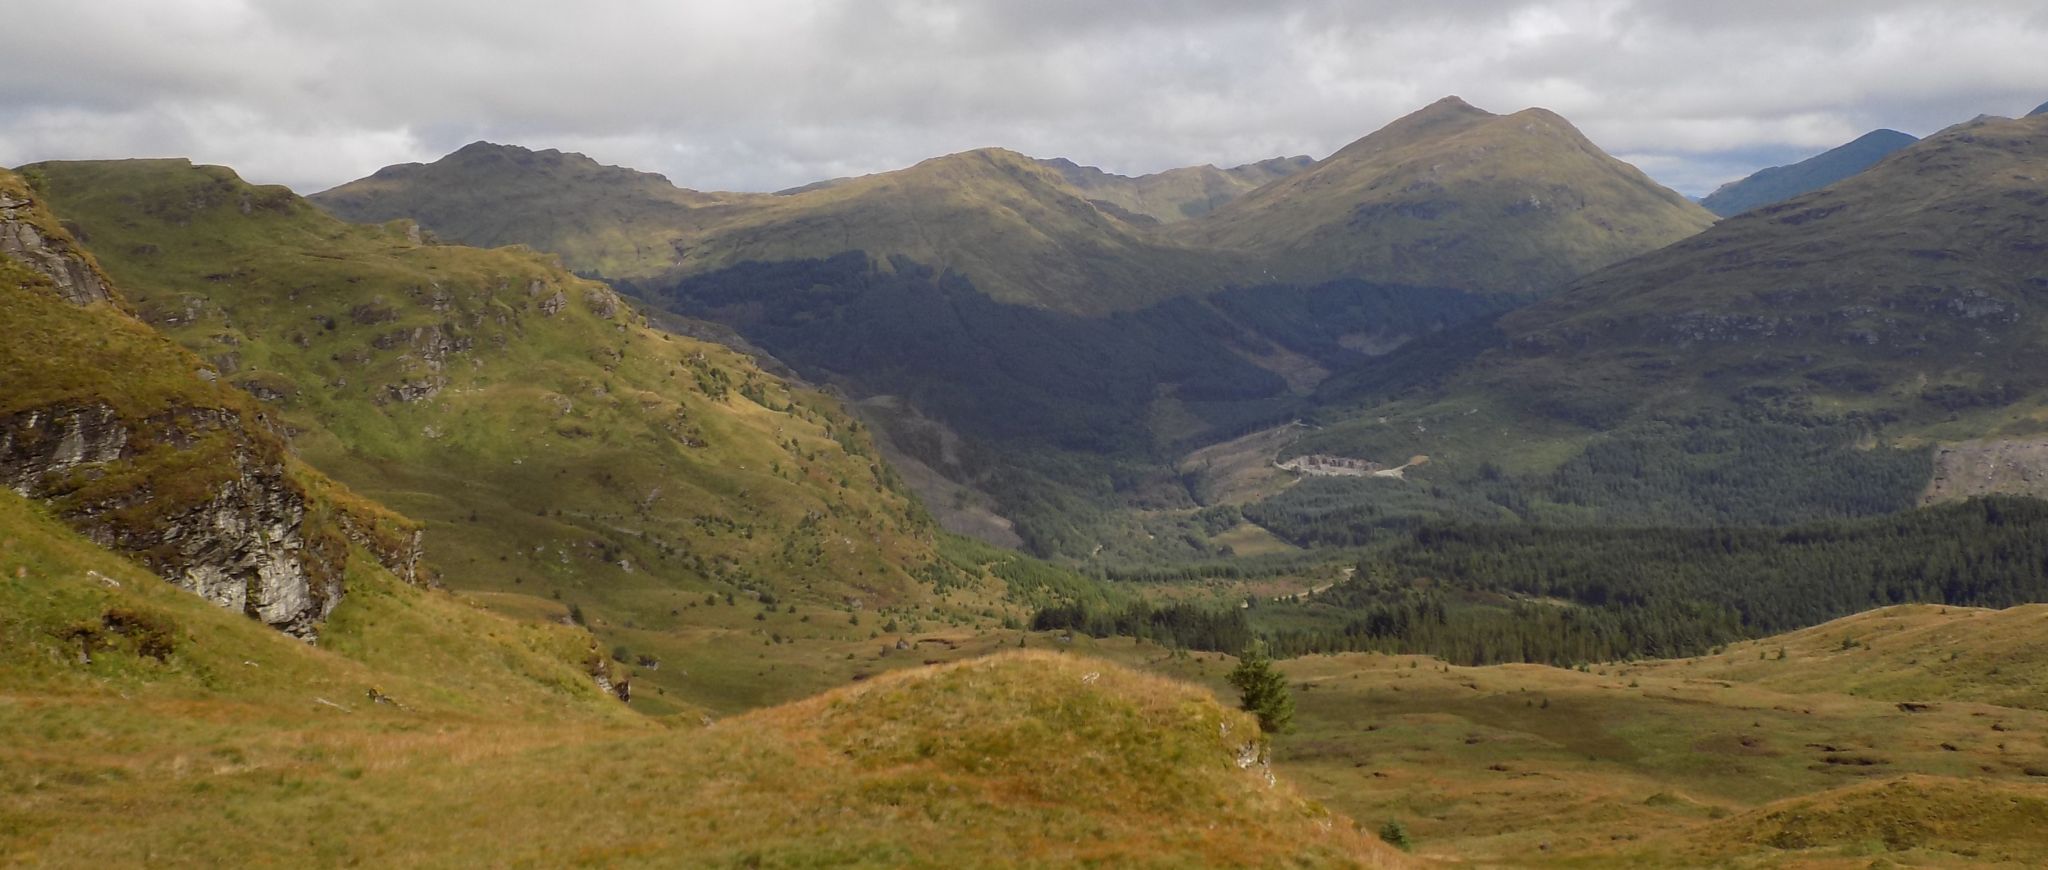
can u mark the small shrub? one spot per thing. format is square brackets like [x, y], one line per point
[154, 635]
[1395, 834]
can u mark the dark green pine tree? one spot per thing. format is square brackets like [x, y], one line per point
[1263, 690]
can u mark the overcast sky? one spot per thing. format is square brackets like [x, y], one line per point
[766, 94]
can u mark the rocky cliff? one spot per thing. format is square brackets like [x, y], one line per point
[24, 237]
[136, 443]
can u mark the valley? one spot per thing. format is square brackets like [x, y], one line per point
[1463, 496]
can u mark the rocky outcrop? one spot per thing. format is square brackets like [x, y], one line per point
[75, 278]
[235, 542]
[617, 686]
[236, 535]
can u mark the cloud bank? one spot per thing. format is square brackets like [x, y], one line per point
[774, 93]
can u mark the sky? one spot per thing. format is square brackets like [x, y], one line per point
[768, 94]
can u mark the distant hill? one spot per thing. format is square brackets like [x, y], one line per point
[1453, 196]
[2039, 110]
[1780, 183]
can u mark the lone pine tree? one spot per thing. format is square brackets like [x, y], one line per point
[1262, 690]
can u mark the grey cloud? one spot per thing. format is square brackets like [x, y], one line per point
[774, 93]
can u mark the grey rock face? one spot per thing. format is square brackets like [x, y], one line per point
[42, 443]
[241, 548]
[244, 547]
[20, 239]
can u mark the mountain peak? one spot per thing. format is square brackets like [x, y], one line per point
[1441, 118]
[482, 147]
[1452, 103]
[1456, 196]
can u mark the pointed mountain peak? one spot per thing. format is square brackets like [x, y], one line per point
[1452, 104]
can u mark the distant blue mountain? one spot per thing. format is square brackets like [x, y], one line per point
[1780, 183]
[2043, 110]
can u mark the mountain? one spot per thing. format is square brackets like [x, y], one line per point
[560, 451]
[1175, 194]
[1780, 183]
[1001, 220]
[1796, 362]
[2039, 110]
[598, 218]
[1453, 196]
[1075, 347]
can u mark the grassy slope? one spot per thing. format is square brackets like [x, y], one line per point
[246, 745]
[557, 446]
[1453, 196]
[1724, 759]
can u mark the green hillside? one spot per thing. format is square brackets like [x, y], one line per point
[560, 451]
[144, 448]
[1453, 196]
[1780, 183]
